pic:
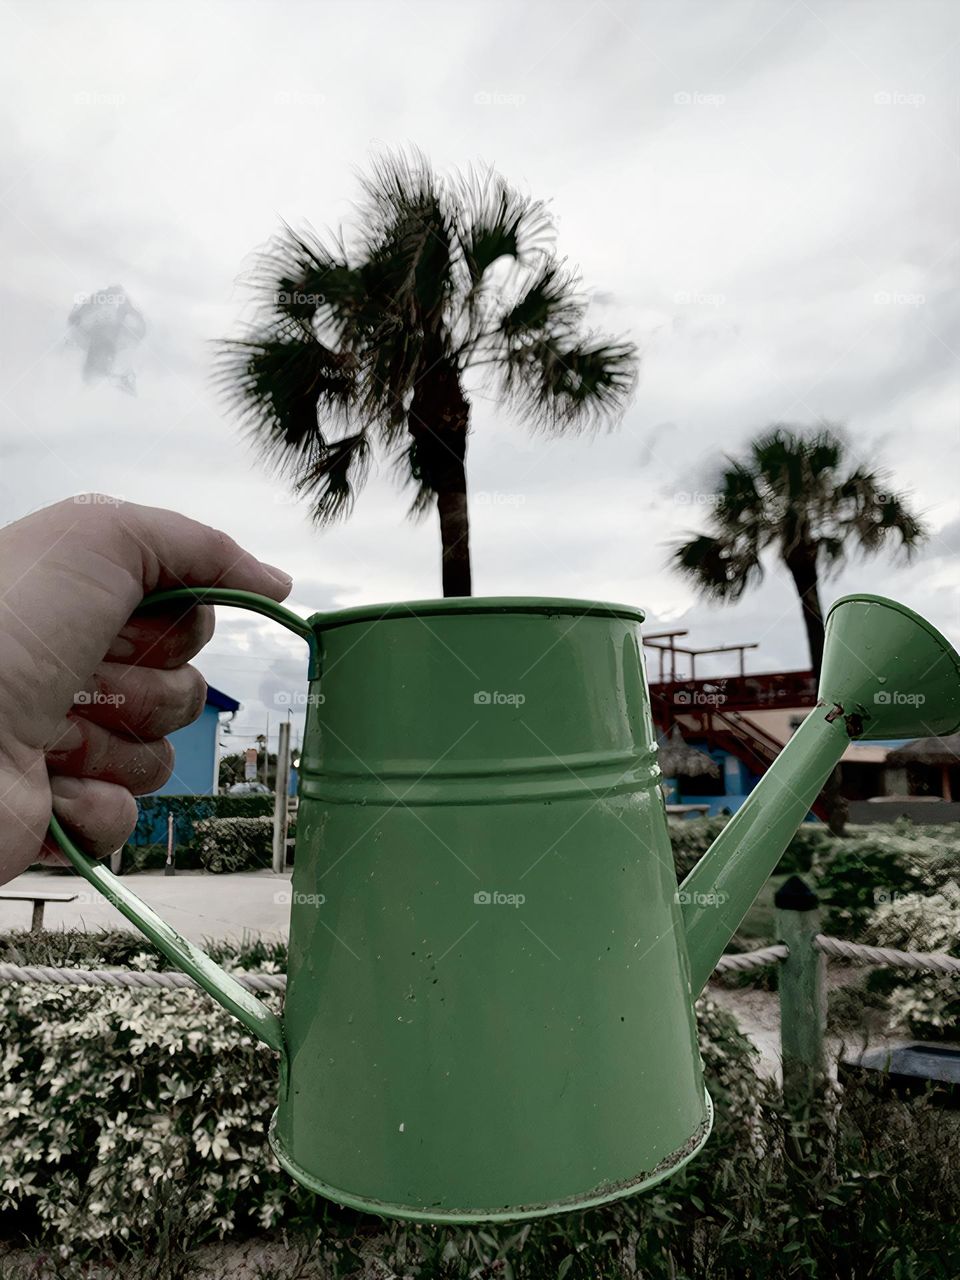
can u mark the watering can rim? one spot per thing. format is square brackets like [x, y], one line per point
[454, 605]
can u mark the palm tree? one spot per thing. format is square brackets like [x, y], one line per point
[364, 346]
[796, 494]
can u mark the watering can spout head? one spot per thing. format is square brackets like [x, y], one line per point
[887, 673]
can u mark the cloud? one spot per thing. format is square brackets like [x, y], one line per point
[104, 324]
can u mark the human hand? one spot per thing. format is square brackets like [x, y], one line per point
[71, 575]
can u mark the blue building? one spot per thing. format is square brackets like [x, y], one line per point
[197, 747]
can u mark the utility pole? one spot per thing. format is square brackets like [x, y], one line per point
[281, 800]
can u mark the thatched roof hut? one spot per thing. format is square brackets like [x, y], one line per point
[936, 751]
[942, 753]
[676, 758]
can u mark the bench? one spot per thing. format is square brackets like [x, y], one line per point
[39, 898]
[682, 810]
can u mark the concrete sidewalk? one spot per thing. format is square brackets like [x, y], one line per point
[197, 904]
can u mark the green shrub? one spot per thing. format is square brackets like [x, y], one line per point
[133, 1122]
[849, 1190]
[729, 1067]
[933, 852]
[690, 838]
[260, 806]
[235, 844]
[75, 948]
[855, 874]
[253, 952]
[112, 1099]
[153, 857]
[925, 1004]
[855, 1007]
[810, 841]
[152, 814]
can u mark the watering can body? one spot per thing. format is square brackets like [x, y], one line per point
[491, 973]
[488, 1007]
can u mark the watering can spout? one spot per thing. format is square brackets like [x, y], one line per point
[886, 674]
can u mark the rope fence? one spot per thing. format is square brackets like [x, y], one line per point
[938, 961]
[858, 953]
[128, 978]
[743, 960]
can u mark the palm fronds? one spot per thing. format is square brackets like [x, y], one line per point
[559, 383]
[720, 568]
[279, 381]
[791, 492]
[353, 331]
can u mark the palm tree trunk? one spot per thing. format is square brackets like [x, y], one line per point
[455, 540]
[802, 564]
[803, 569]
[438, 423]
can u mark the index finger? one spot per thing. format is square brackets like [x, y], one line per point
[164, 636]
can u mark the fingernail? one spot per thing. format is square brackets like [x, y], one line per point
[284, 579]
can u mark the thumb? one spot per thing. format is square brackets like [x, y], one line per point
[175, 551]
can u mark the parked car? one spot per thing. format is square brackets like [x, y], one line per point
[249, 789]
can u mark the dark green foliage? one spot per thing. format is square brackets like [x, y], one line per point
[690, 838]
[811, 839]
[235, 844]
[252, 953]
[855, 875]
[153, 857]
[923, 1003]
[146, 849]
[852, 874]
[857, 1006]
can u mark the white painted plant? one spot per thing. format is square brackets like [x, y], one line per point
[924, 1003]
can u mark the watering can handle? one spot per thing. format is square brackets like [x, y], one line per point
[224, 988]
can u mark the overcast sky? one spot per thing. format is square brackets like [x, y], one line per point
[764, 196]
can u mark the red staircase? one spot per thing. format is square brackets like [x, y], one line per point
[712, 708]
[752, 745]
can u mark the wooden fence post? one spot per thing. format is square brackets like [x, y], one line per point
[803, 991]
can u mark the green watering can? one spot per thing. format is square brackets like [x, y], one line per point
[490, 994]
